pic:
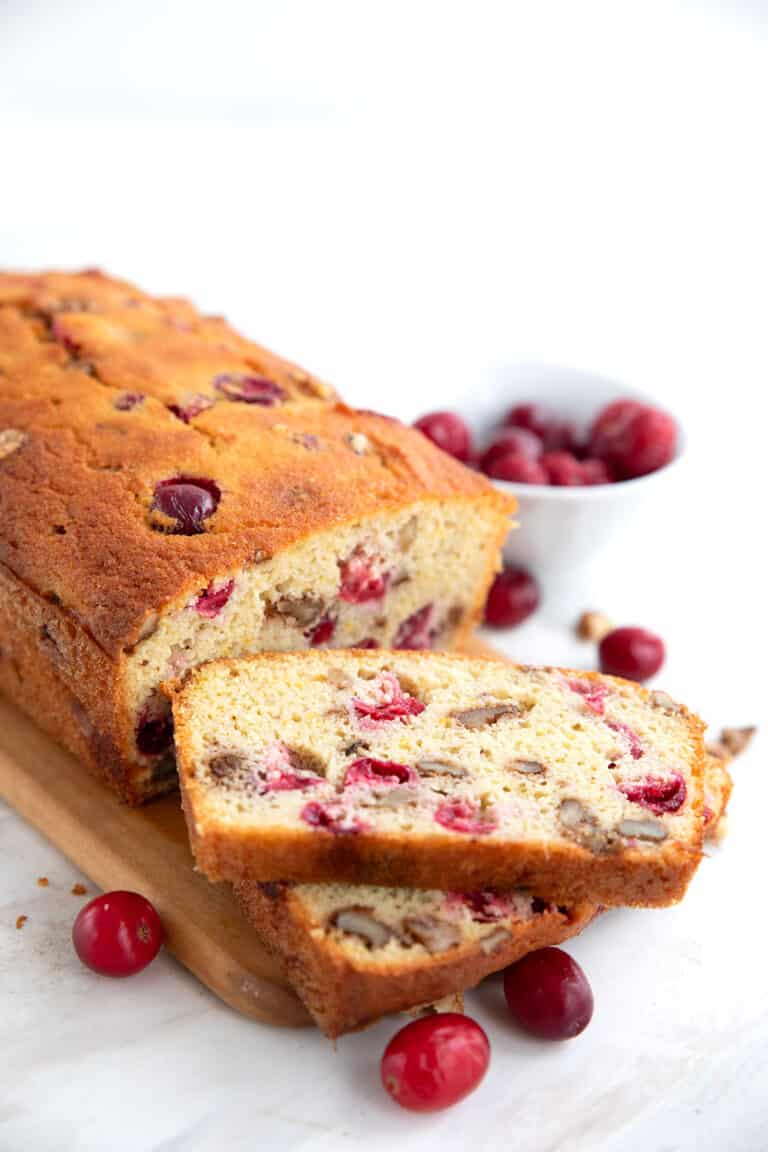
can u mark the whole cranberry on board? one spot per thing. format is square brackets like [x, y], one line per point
[448, 431]
[434, 1062]
[633, 653]
[117, 934]
[548, 994]
[513, 597]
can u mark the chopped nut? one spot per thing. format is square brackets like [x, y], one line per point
[642, 830]
[439, 768]
[494, 940]
[453, 1002]
[359, 921]
[479, 717]
[10, 440]
[719, 751]
[78, 889]
[665, 702]
[581, 825]
[21, 921]
[225, 764]
[359, 443]
[737, 740]
[42, 881]
[527, 767]
[432, 933]
[593, 626]
[572, 813]
[300, 610]
[394, 797]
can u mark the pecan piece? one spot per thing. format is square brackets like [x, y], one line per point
[527, 767]
[486, 714]
[358, 920]
[434, 934]
[642, 830]
[439, 768]
[300, 610]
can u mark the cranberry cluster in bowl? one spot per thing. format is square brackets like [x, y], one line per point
[628, 438]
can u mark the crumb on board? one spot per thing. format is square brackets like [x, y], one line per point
[21, 921]
[42, 881]
[78, 889]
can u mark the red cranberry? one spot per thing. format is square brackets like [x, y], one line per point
[533, 417]
[250, 389]
[322, 632]
[332, 817]
[117, 934]
[463, 816]
[448, 431]
[192, 408]
[516, 469]
[660, 794]
[514, 595]
[633, 653]
[416, 631]
[562, 469]
[488, 905]
[548, 994]
[62, 337]
[434, 1062]
[154, 732]
[210, 603]
[389, 702]
[369, 642]
[594, 471]
[277, 772]
[519, 441]
[368, 771]
[128, 400]
[561, 437]
[188, 500]
[360, 583]
[634, 439]
[631, 737]
[592, 692]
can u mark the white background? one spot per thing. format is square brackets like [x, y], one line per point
[407, 197]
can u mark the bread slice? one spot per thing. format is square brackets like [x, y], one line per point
[439, 771]
[355, 953]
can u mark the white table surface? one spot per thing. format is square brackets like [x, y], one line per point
[406, 200]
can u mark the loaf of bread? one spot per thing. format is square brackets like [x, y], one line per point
[355, 953]
[171, 493]
[439, 771]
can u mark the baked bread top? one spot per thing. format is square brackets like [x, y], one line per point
[146, 450]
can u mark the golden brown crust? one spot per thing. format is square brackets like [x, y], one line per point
[76, 492]
[565, 872]
[343, 997]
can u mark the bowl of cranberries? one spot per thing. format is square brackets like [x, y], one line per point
[584, 456]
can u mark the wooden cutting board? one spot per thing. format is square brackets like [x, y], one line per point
[146, 850]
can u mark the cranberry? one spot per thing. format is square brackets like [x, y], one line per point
[250, 389]
[448, 431]
[533, 417]
[368, 771]
[592, 692]
[631, 737]
[519, 441]
[561, 437]
[514, 595]
[434, 1062]
[210, 603]
[633, 438]
[276, 771]
[488, 905]
[187, 500]
[660, 794]
[389, 702]
[633, 653]
[548, 994]
[332, 817]
[62, 337]
[128, 400]
[416, 631]
[117, 934]
[516, 469]
[154, 732]
[360, 581]
[193, 407]
[322, 632]
[369, 642]
[562, 469]
[594, 471]
[463, 816]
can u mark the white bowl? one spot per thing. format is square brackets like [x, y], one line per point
[562, 530]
